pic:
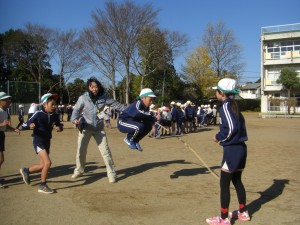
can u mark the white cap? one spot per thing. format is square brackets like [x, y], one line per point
[147, 92]
[227, 85]
[3, 95]
[45, 97]
[20, 106]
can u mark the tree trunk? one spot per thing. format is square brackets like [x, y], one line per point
[142, 82]
[127, 84]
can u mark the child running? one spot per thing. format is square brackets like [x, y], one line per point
[42, 123]
[136, 120]
[232, 137]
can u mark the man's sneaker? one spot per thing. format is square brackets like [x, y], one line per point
[218, 221]
[76, 175]
[131, 144]
[25, 176]
[2, 186]
[138, 147]
[244, 216]
[45, 189]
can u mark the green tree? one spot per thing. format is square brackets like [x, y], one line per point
[152, 48]
[198, 71]
[290, 80]
[76, 88]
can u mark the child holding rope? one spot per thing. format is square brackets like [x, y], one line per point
[232, 137]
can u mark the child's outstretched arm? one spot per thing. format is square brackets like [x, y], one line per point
[13, 129]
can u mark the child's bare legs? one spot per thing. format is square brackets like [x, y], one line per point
[44, 165]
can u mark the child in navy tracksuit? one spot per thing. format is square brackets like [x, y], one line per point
[42, 122]
[178, 117]
[20, 116]
[136, 120]
[232, 137]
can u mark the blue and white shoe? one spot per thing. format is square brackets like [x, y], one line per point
[138, 147]
[131, 144]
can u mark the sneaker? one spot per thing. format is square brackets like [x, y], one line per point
[25, 176]
[218, 221]
[244, 216]
[45, 189]
[2, 186]
[76, 175]
[131, 144]
[138, 147]
[112, 179]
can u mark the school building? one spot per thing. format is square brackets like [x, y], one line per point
[280, 48]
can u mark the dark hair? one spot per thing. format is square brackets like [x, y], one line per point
[94, 79]
[234, 106]
[54, 97]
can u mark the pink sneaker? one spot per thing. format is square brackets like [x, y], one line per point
[241, 216]
[218, 221]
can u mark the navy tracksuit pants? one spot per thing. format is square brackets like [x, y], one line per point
[135, 130]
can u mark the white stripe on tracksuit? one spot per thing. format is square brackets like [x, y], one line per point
[230, 124]
[136, 128]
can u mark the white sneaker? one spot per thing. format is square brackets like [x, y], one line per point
[112, 179]
[76, 175]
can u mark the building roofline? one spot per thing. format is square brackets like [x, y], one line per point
[280, 28]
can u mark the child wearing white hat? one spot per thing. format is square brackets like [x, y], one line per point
[232, 137]
[42, 122]
[20, 116]
[137, 120]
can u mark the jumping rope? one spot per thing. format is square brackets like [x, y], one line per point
[193, 151]
[198, 156]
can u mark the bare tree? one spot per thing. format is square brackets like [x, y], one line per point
[176, 41]
[122, 24]
[223, 49]
[99, 51]
[66, 54]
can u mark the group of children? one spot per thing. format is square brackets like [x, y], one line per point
[137, 121]
[181, 119]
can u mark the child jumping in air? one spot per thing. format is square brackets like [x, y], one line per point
[232, 137]
[136, 120]
[42, 123]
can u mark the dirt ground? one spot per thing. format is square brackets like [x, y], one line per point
[166, 184]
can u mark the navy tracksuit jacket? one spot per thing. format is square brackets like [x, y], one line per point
[136, 120]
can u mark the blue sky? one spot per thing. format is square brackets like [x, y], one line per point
[190, 17]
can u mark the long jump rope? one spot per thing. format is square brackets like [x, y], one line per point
[199, 157]
[194, 152]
